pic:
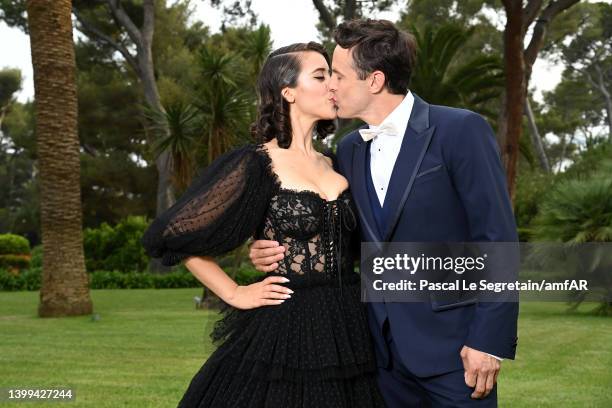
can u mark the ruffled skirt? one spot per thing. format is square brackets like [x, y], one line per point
[314, 350]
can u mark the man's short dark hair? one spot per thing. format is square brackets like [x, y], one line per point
[378, 45]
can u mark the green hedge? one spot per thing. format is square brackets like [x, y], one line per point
[30, 279]
[141, 280]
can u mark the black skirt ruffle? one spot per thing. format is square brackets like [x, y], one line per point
[314, 350]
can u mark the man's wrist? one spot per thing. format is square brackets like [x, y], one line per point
[495, 357]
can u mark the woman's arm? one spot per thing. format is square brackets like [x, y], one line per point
[266, 292]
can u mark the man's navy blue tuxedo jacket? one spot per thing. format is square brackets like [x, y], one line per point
[448, 185]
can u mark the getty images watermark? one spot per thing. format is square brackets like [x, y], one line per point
[468, 272]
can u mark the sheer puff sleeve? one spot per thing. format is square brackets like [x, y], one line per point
[220, 210]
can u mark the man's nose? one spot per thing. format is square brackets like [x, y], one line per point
[332, 85]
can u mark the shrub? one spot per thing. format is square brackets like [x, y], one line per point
[15, 262]
[14, 253]
[14, 244]
[36, 259]
[530, 189]
[580, 211]
[141, 280]
[116, 248]
[30, 279]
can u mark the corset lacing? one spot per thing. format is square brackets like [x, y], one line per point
[338, 215]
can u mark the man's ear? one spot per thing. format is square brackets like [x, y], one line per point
[376, 81]
[288, 94]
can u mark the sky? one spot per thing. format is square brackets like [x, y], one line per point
[15, 45]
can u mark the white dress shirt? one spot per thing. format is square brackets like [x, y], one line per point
[385, 148]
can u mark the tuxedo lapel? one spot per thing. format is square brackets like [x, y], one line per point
[414, 146]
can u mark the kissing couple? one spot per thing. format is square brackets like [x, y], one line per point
[299, 336]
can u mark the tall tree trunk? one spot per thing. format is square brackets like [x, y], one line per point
[609, 114]
[65, 286]
[564, 146]
[536, 139]
[518, 65]
[512, 107]
[165, 191]
[601, 87]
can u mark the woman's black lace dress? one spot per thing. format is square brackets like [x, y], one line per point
[314, 350]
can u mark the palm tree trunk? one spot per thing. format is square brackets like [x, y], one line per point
[65, 286]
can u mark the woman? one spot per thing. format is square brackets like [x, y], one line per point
[297, 338]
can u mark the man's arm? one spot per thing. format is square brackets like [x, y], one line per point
[480, 181]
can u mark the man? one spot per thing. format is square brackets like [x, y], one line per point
[419, 173]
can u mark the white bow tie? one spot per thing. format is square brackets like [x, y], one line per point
[373, 131]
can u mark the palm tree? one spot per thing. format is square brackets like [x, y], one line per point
[226, 107]
[180, 122]
[65, 286]
[440, 77]
[210, 121]
[257, 47]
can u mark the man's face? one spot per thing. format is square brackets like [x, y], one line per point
[351, 94]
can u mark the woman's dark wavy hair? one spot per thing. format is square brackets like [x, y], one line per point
[281, 69]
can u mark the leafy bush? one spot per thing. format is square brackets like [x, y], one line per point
[534, 186]
[576, 211]
[17, 262]
[116, 248]
[28, 279]
[36, 259]
[14, 244]
[530, 189]
[580, 211]
[14, 252]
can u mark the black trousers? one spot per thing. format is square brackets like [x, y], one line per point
[402, 389]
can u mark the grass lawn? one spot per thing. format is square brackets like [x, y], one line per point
[147, 345]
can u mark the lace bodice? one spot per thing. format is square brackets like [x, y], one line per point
[239, 196]
[316, 234]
